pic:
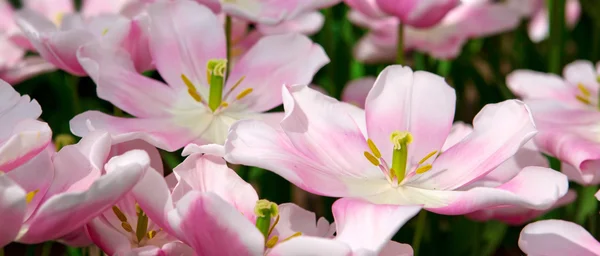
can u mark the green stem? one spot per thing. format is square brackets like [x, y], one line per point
[419, 231]
[419, 61]
[400, 45]
[228, 41]
[46, 249]
[1, 251]
[556, 9]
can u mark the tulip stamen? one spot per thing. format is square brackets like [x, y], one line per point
[29, 197]
[191, 88]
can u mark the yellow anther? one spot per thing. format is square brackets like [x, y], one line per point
[598, 79]
[244, 93]
[423, 169]
[427, 157]
[236, 84]
[372, 158]
[151, 234]
[374, 148]
[272, 242]
[297, 234]
[583, 100]
[584, 90]
[191, 88]
[126, 226]
[224, 104]
[119, 214]
[105, 31]
[58, 18]
[29, 197]
[398, 138]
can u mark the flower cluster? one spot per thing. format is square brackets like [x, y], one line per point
[388, 150]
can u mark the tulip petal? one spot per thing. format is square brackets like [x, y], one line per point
[423, 104]
[293, 218]
[557, 237]
[29, 138]
[107, 237]
[314, 246]
[26, 68]
[499, 131]
[536, 85]
[272, 62]
[213, 227]
[12, 209]
[584, 72]
[393, 248]
[184, 37]
[65, 212]
[356, 91]
[118, 82]
[306, 24]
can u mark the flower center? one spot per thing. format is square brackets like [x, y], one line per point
[584, 95]
[397, 171]
[141, 232]
[216, 71]
[265, 211]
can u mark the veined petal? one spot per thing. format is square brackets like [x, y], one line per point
[12, 209]
[307, 24]
[184, 37]
[209, 173]
[68, 211]
[272, 62]
[160, 132]
[417, 102]
[29, 138]
[213, 227]
[557, 237]
[366, 226]
[499, 131]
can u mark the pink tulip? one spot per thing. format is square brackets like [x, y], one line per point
[565, 112]
[67, 189]
[418, 13]
[389, 153]
[356, 91]
[472, 19]
[22, 137]
[59, 45]
[557, 238]
[186, 110]
[539, 25]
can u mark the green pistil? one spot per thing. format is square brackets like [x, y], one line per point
[216, 70]
[265, 210]
[400, 153]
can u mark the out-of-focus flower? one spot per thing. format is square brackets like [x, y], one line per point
[22, 137]
[470, 19]
[418, 13]
[200, 101]
[58, 40]
[567, 115]
[526, 156]
[356, 91]
[67, 189]
[539, 25]
[557, 238]
[14, 65]
[390, 153]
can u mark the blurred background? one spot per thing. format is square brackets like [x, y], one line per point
[478, 75]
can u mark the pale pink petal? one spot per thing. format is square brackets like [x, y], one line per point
[52, 10]
[177, 248]
[420, 102]
[95, 7]
[57, 47]
[371, 49]
[528, 155]
[267, 11]
[393, 248]
[356, 91]
[366, 226]
[514, 215]
[499, 131]
[323, 131]
[536, 85]
[160, 132]
[25, 69]
[211, 149]
[524, 190]
[367, 7]
[418, 13]
[155, 159]
[557, 237]
[6, 17]
[293, 218]
[179, 45]
[209, 173]
[15, 108]
[307, 24]
[154, 197]
[314, 246]
[582, 72]
[572, 13]
[29, 138]
[213, 227]
[118, 82]
[77, 238]
[12, 209]
[105, 236]
[68, 211]
[271, 63]
[458, 132]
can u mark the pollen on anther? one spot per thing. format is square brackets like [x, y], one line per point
[151, 234]
[423, 169]
[244, 93]
[119, 214]
[29, 197]
[583, 100]
[371, 158]
[584, 90]
[224, 104]
[126, 226]
[428, 156]
[374, 148]
[272, 242]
